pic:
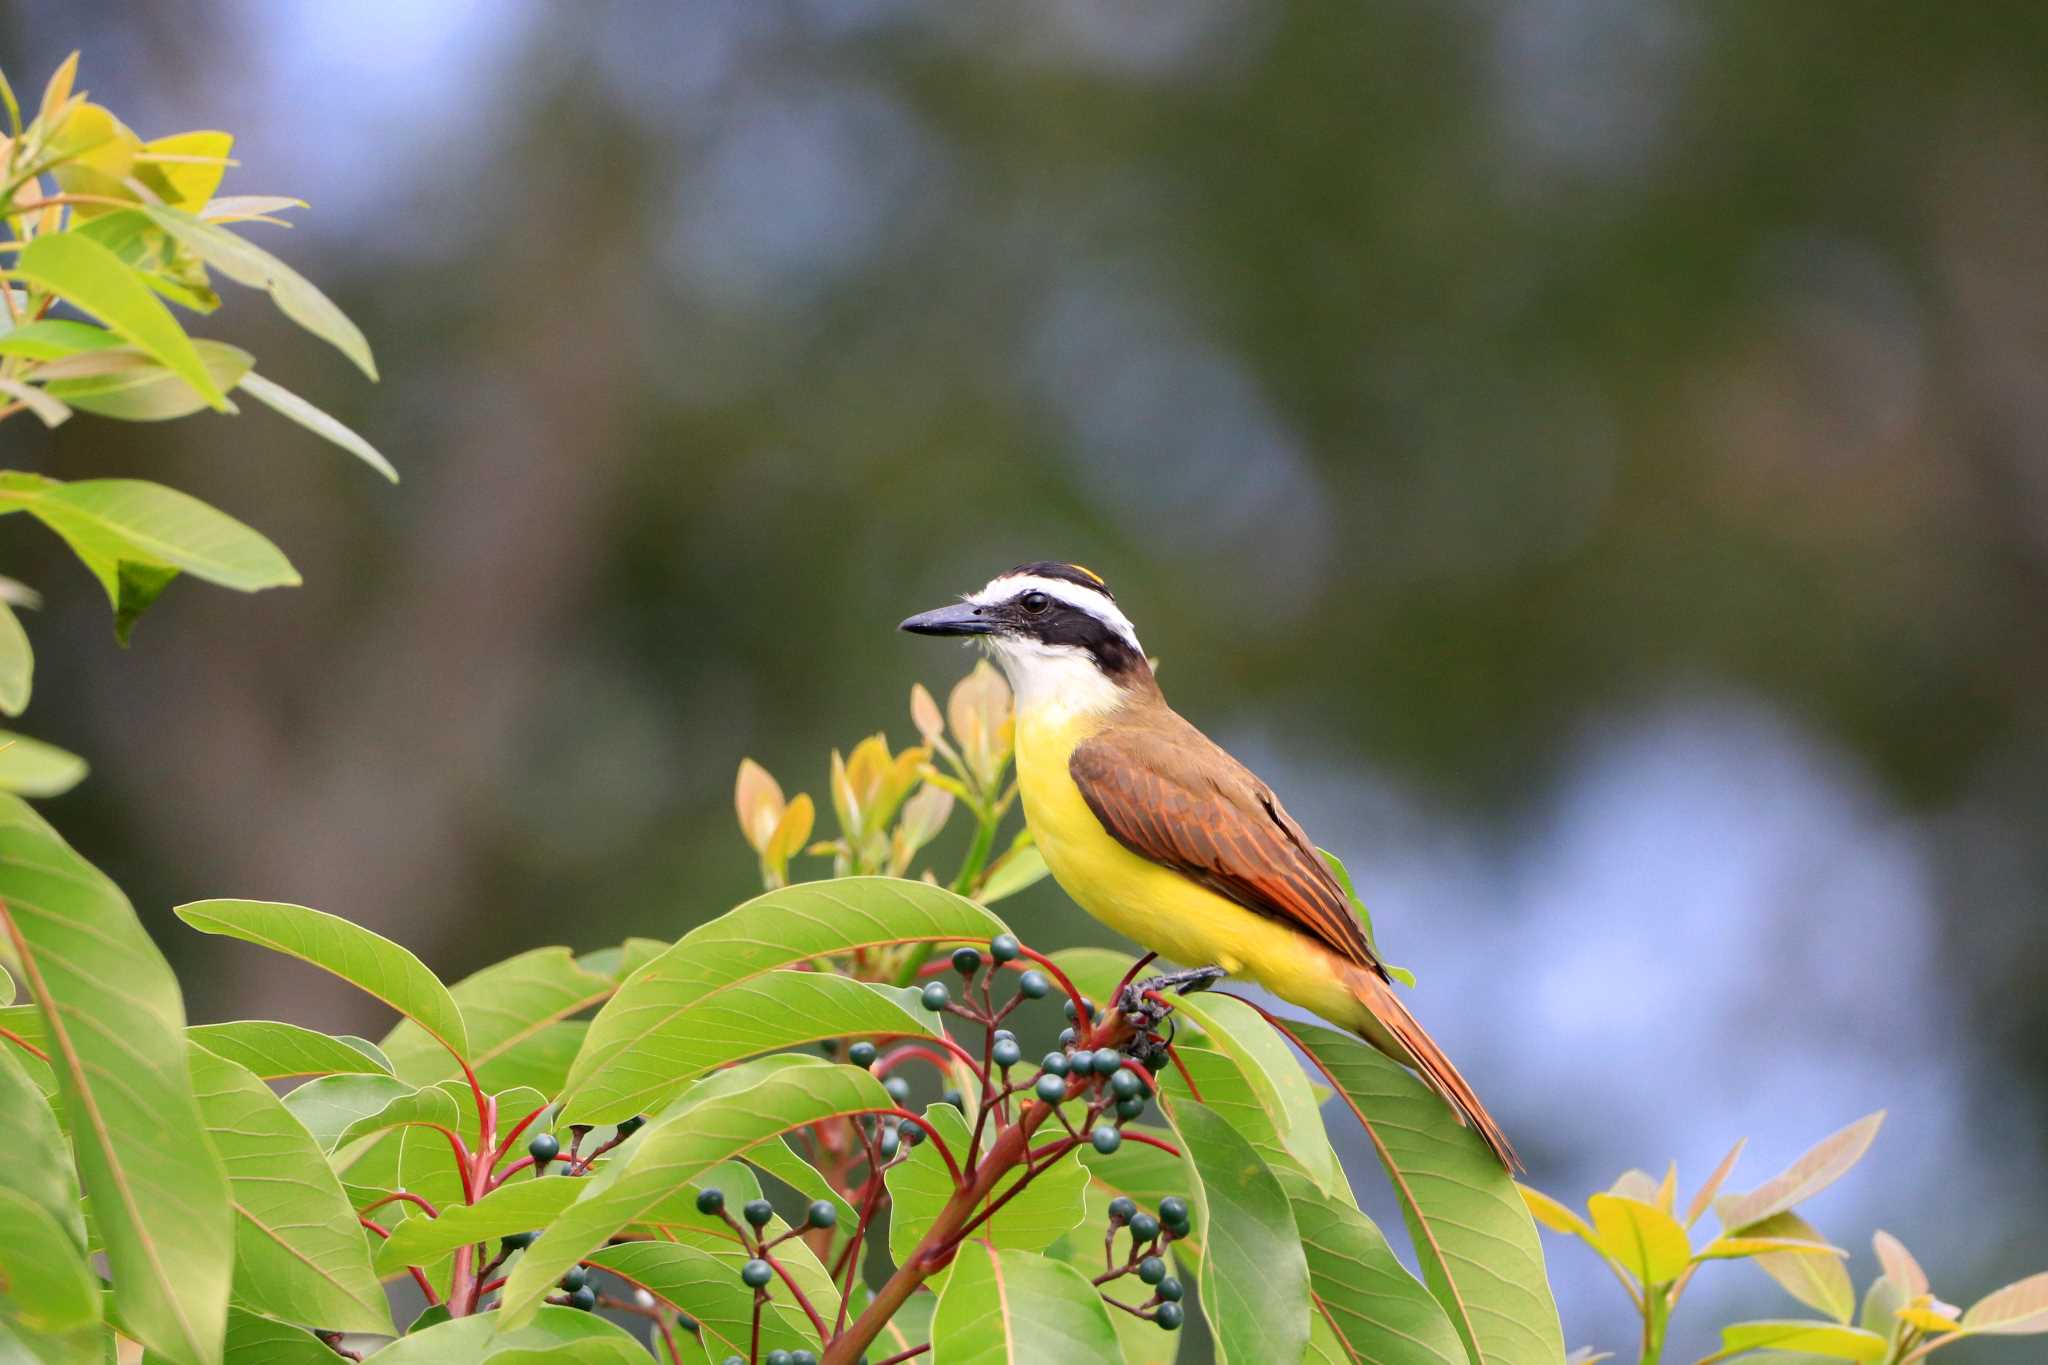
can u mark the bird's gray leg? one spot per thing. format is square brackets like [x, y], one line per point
[1185, 982]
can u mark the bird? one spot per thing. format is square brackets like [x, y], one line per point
[1152, 828]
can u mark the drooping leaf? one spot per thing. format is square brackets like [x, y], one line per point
[502, 1006]
[366, 960]
[246, 263]
[551, 1336]
[1031, 1221]
[48, 408]
[675, 1149]
[2019, 1309]
[1642, 1238]
[17, 663]
[48, 1296]
[29, 767]
[521, 1204]
[1017, 1308]
[1254, 1277]
[1820, 1282]
[1472, 1233]
[275, 1051]
[95, 280]
[708, 1288]
[299, 1252]
[1831, 1339]
[720, 994]
[114, 1025]
[1819, 1167]
[1373, 1310]
[288, 404]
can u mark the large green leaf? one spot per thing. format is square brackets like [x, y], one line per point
[366, 960]
[299, 1251]
[1472, 1234]
[502, 1007]
[288, 404]
[246, 263]
[114, 1026]
[1032, 1221]
[720, 994]
[49, 1299]
[1269, 1096]
[675, 1149]
[1368, 1307]
[96, 281]
[708, 1288]
[521, 1204]
[276, 1051]
[1254, 1277]
[553, 1336]
[17, 663]
[1141, 1342]
[1017, 1308]
[29, 767]
[38, 1163]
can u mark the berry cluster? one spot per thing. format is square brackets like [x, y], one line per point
[1145, 1257]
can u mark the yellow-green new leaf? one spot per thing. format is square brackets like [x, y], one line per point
[29, 767]
[1819, 1167]
[17, 663]
[114, 1028]
[129, 386]
[1556, 1216]
[1819, 1282]
[1899, 1266]
[1639, 1236]
[1830, 1339]
[288, 404]
[2019, 1309]
[366, 960]
[96, 281]
[299, 1251]
[1018, 1308]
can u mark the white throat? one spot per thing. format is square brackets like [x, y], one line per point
[1054, 681]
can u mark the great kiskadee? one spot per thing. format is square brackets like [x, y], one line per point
[1153, 829]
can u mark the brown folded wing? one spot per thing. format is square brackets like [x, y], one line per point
[1167, 792]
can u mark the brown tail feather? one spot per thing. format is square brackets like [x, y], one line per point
[1408, 1043]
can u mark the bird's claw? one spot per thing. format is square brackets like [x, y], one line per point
[1138, 996]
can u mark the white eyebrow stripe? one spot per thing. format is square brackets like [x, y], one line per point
[1096, 604]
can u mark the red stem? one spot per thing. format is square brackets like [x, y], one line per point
[25, 1045]
[419, 1276]
[1151, 1141]
[952, 1166]
[407, 1196]
[911, 1354]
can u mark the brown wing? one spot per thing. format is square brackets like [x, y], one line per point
[1167, 792]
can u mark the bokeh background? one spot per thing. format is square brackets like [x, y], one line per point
[1587, 454]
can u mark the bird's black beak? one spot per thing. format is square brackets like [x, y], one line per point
[961, 618]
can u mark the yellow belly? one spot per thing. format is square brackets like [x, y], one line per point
[1156, 906]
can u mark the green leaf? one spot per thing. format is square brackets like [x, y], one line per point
[553, 1336]
[38, 1164]
[366, 960]
[29, 767]
[435, 1106]
[692, 1280]
[115, 1028]
[675, 1149]
[47, 1294]
[1020, 868]
[95, 280]
[1370, 1307]
[521, 1204]
[49, 410]
[53, 339]
[2019, 1309]
[920, 1187]
[1016, 1308]
[17, 663]
[1820, 1282]
[716, 996]
[328, 1106]
[1472, 1233]
[288, 404]
[1819, 1167]
[299, 1251]
[275, 1051]
[1641, 1238]
[130, 386]
[502, 1007]
[1275, 1080]
[255, 1340]
[781, 1161]
[1556, 1216]
[246, 263]
[1830, 1339]
[1254, 1278]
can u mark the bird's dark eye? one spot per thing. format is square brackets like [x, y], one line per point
[1034, 602]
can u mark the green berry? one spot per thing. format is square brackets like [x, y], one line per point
[732, 1360]
[1073, 1015]
[898, 1088]
[822, 1213]
[583, 1297]
[574, 1278]
[770, 1358]
[628, 1127]
[1124, 1085]
[1066, 1037]
[954, 1098]
[756, 1273]
[519, 1241]
[1004, 948]
[758, 1212]
[936, 997]
[1144, 1228]
[1151, 1270]
[1032, 985]
[1107, 1063]
[1001, 1034]
[966, 961]
[1106, 1139]
[1169, 1289]
[1082, 1061]
[802, 1358]
[911, 1131]
[1006, 1053]
[1050, 1088]
[861, 1055]
[1054, 1062]
[1130, 1108]
[889, 1144]
[710, 1200]
[544, 1148]
[1168, 1315]
[1173, 1211]
[1121, 1209]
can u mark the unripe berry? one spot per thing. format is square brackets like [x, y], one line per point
[1151, 1270]
[1124, 1085]
[1006, 1053]
[911, 1131]
[710, 1199]
[898, 1088]
[1073, 1015]
[1130, 1108]
[936, 997]
[1001, 1034]
[584, 1298]
[954, 1098]
[1144, 1228]
[1107, 1063]
[758, 1212]
[1082, 1061]
[888, 1144]
[1066, 1037]
[1054, 1063]
[770, 1358]
[1168, 1316]
[544, 1149]
[1106, 1139]
[822, 1214]
[966, 961]
[519, 1241]
[1032, 985]
[1050, 1088]
[1004, 947]
[1169, 1289]
[1121, 1209]
[802, 1358]
[861, 1054]
[628, 1127]
[756, 1273]
[1173, 1211]
[574, 1278]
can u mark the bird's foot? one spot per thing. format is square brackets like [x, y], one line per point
[1135, 997]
